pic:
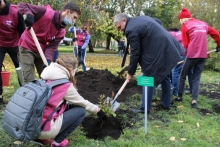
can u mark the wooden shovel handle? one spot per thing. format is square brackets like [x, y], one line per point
[38, 46]
[122, 87]
[207, 53]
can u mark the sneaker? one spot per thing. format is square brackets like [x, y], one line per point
[64, 143]
[194, 105]
[178, 99]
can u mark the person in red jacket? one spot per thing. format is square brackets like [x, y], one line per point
[49, 26]
[194, 36]
[11, 28]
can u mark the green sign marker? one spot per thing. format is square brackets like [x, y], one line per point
[145, 81]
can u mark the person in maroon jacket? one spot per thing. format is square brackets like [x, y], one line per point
[194, 35]
[49, 26]
[11, 28]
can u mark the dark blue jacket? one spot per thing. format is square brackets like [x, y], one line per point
[153, 47]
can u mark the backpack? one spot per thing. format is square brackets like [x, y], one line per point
[23, 114]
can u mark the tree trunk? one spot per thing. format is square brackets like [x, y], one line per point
[90, 47]
[108, 40]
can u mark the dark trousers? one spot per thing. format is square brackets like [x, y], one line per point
[13, 53]
[72, 118]
[198, 65]
[166, 95]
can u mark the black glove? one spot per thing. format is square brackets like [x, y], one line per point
[29, 21]
[217, 48]
[74, 39]
[48, 61]
[101, 115]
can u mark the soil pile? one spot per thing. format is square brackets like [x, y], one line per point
[93, 83]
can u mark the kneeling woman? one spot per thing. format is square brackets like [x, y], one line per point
[75, 105]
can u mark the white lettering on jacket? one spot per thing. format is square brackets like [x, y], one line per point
[204, 31]
[8, 22]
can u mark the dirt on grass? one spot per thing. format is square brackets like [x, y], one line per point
[93, 83]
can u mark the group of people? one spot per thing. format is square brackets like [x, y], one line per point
[158, 52]
[151, 46]
[49, 26]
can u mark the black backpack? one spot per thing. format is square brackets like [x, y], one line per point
[23, 114]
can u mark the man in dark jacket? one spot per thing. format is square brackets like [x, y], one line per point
[152, 47]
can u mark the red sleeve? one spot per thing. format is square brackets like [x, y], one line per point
[214, 34]
[185, 36]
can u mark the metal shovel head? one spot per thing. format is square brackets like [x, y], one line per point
[115, 105]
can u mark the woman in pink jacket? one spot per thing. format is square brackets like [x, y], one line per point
[72, 111]
[194, 35]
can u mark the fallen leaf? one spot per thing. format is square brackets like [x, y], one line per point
[17, 142]
[183, 139]
[180, 106]
[207, 113]
[180, 121]
[198, 125]
[172, 138]
[157, 126]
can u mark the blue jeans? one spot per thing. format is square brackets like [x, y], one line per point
[175, 78]
[81, 55]
[55, 56]
[72, 118]
[166, 96]
[120, 53]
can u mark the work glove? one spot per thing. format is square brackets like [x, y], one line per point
[101, 115]
[217, 48]
[74, 39]
[48, 61]
[29, 21]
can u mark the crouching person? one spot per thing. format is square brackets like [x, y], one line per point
[73, 106]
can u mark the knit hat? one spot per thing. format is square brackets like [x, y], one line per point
[184, 14]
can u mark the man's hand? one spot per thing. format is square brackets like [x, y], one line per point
[101, 115]
[29, 21]
[217, 48]
[129, 77]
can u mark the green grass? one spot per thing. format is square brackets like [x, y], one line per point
[162, 125]
[69, 49]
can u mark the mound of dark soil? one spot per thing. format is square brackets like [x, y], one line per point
[97, 129]
[93, 83]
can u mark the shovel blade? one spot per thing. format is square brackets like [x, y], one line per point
[115, 106]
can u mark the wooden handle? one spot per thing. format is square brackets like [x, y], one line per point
[207, 53]
[122, 87]
[38, 46]
[76, 37]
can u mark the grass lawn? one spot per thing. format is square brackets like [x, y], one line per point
[69, 49]
[182, 126]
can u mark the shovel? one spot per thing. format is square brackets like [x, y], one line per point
[114, 103]
[207, 53]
